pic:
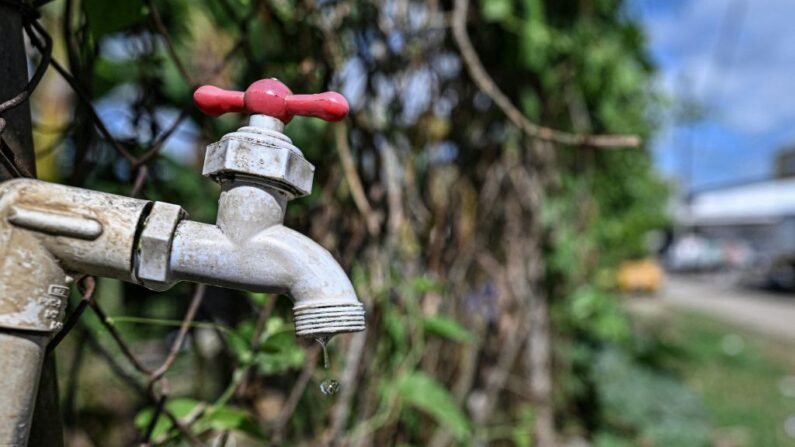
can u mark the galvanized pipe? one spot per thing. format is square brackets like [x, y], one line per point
[46, 230]
[21, 357]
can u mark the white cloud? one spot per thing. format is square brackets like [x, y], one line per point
[747, 81]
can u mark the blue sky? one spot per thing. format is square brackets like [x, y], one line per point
[737, 59]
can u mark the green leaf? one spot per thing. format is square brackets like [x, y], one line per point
[279, 353]
[522, 433]
[428, 395]
[424, 284]
[395, 327]
[497, 10]
[447, 328]
[106, 17]
[277, 350]
[227, 418]
[180, 408]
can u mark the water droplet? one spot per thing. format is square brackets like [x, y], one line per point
[323, 341]
[329, 387]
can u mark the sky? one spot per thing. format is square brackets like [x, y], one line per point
[736, 59]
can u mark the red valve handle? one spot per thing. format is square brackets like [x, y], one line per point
[271, 97]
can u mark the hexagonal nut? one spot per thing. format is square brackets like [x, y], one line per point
[154, 246]
[281, 165]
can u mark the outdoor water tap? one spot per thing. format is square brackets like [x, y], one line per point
[50, 233]
[259, 171]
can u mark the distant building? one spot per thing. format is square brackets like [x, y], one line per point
[760, 216]
[784, 164]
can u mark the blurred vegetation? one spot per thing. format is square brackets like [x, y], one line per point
[485, 257]
[744, 378]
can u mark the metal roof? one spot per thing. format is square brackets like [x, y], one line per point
[756, 203]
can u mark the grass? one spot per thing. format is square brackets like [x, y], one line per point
[741, 377]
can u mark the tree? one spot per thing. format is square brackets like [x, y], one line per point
[472, 195]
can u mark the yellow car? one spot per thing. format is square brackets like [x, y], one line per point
[644, 275]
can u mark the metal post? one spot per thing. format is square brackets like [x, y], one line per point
[22, 351]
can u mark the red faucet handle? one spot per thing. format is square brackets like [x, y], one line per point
[271, 97]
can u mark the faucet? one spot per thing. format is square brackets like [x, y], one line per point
[50, 233]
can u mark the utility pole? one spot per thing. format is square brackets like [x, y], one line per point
[18, 158]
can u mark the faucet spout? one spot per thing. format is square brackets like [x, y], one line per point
[325, 301]
[277, 260]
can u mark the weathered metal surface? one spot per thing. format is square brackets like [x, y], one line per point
[261, 153]
[245, 209]
[276, 259]
[154, 247]
[21, 357]
[249, 249]
[57, 224]
[33, 289]
[109, 254]
[315, 318]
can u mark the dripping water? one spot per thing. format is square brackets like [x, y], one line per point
[329, 386]
[323, 341]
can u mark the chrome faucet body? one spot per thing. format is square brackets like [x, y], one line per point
[50, 233]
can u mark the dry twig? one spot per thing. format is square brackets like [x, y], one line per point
[487, 85]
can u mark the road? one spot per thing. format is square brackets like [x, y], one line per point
[761, 311]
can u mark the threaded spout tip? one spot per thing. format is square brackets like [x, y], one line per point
[319, 319]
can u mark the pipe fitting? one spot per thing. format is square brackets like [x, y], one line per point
[47, 230]
[263, 154]
[154, 246]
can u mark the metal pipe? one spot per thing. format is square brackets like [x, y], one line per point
[44, 229]
[21, 357]
[17, 158]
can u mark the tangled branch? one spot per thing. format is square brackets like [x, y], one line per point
[487, 85]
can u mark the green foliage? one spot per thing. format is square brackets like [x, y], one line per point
[228, 418]
[598, 313]
[110, 17]
[447, 328]
[497, 10]
[425, 393]
[276, 350]
[657, 407]
[180, 408]
[742, 377]
[219, 418]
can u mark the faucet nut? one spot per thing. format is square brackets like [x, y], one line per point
[154, 247]
[264, 156]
